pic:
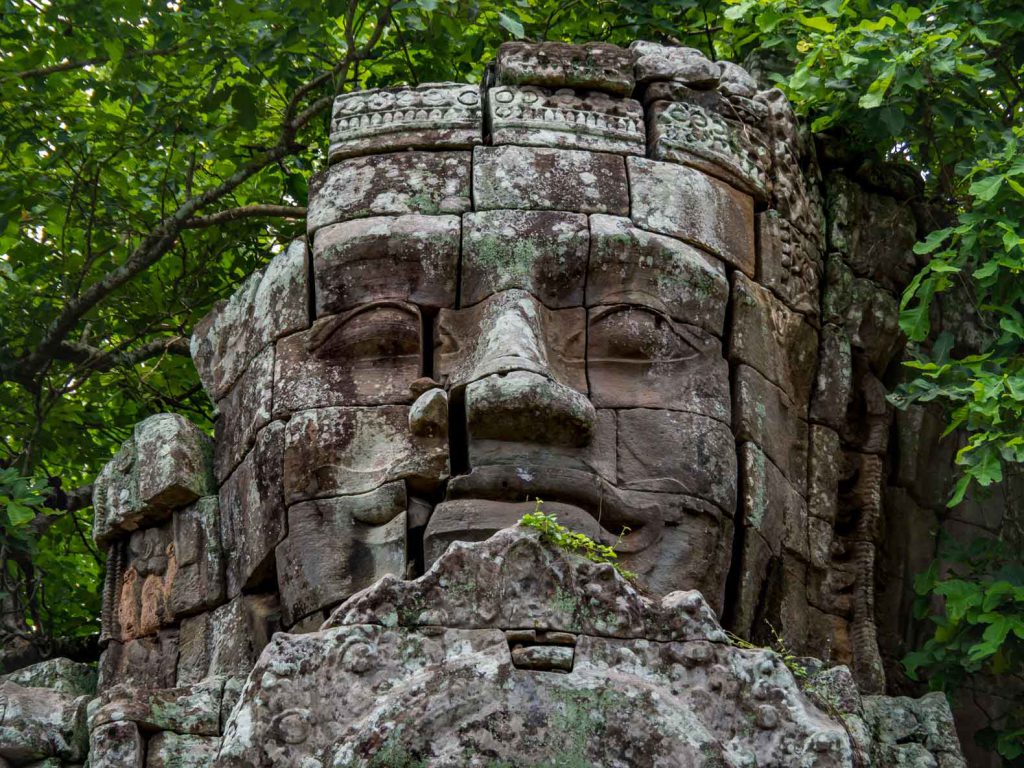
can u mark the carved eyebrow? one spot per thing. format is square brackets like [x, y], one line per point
[679, 329]
[326, 327]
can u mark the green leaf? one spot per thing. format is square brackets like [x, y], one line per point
[819, 23]
[512, 24]
[876, 91]
[243, 100]
[19, 514]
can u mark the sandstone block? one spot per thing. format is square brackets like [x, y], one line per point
[147, 662]
[747, 111]
[637, 358]
[543, 252]
[429, 116]
[777, 342]
[539, 117]
[143, 605]
[343, 451]
[116, 745]
[686, 133]
[549, 179]
[252, 511]
[511, 331]
[62, 675]
[239, 630]
[172, 750]
[429, 183]
[597, 66]
[336, 547]
[674, 200]
[630, 266]
[665, 62]
[834, 381]
[40, 723]
[771, 505]
[269, 304]
[677, 452]
[198, 584]
[366, 356]
[191, 709]
[765, 415]
[410, 258]
[868, 314]
[789, 263]
[824, 469]
[242, 413]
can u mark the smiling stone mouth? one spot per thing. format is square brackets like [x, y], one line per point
[629, 526]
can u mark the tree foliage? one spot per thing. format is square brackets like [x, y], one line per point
[151, 155]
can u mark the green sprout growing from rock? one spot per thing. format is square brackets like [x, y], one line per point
[557, 534]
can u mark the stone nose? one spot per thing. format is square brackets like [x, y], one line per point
[526, 407]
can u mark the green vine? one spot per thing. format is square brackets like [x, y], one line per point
[557, 534]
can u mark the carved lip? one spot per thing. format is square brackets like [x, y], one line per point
[586, 491]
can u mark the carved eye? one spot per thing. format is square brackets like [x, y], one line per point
[642, 335]
[379, 333]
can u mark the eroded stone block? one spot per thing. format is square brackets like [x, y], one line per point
[252, 511]
[268, 305]
[685, 203]
[598, 66]
[771, 505]
[430, 183]
[824, 469]
[789, 263]
[677, 452]
[428, 116]
[243, 412]
[143, 605]
[116, 745]
[665, 62]
[549, 179]
[227, 641]
[336, 547]
[341, 451]
[631, 266]
[403, 258]
[765, 415]
[367, 356]
[172, 750]
[62, 675]
[147, 662]
[834, 380]
[198, 584]
[191, 709]
[40, 723]
[543, 252]
[687, 133]
[511, 331]
[774, 340]
[539, 117]
[637, 358]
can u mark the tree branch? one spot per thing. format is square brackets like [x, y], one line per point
[95, 359]
[245, 212]
[66, 66]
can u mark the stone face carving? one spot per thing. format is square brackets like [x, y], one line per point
[530, 290]
[429, 116]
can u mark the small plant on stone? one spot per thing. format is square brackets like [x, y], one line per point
[778, 645]
[571, 541]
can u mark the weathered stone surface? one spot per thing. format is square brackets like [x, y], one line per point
[62, 675]
[664, 62]
[165, 465]
[764, 414]
[747, 111]
[913, 731]
[771, 505]
[268, 305]
[252, 511]
[338, 451]
[597, 66]
[366, 356]
[192, 709]
[536, 449]
[637, 358]
[700, 696]
[336, 547]
[682, 202]
[428, 116]
[400, 258]
[172, 750]
[143, 601]
[430, 183]
[116, 745]
[511, 331]
[147, 662]
[772, 339]
[428, 416]
[630, 266]
[824, 469]
[242, 413]
[549, 179]
[543, 252]
[677, 452]
[198, 584]
[37, 723]
[868, 314]
[472, 520]
[834, 381]
[538, 117]
[789, 263]
[687, 133]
